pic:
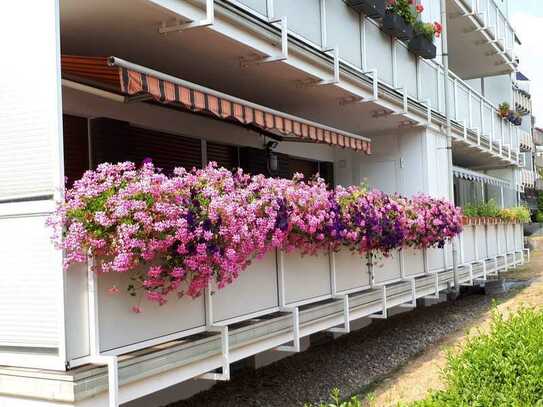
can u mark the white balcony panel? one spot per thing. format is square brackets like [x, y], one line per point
[306, 277]
[463, 105]
[488, 113]
[304, 17]
[119, 326]
[481, 242]
[429, 83]
[519, 237]
[406, 69]
[387, 268]
[257, 5]
[468, 244]
[413, 262]
[378, 54]
[476, 104]
[502, 240]
[254, 291]
[351, 271]
[343, 30]
[510, 236]
[492, 239]
[436, 259]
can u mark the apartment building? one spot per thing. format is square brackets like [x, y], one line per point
[274, 87]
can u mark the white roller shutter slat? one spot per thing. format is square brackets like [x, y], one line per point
[29, 102]
[30, 284]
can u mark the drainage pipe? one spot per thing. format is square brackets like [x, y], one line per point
[448, 128]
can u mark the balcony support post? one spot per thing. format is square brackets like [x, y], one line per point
[225, 355]
[295, 347]
[346, 328]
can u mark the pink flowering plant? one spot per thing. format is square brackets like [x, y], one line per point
[197, 229]
[432, 222]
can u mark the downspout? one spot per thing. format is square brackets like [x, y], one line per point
[448, 128]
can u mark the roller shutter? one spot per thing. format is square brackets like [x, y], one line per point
[115, 141]
[76, 147]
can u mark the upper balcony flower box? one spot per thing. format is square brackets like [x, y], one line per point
[371, 8]
[422, 47]
[395, 25]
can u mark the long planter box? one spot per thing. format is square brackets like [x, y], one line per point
[371, 8]
[396, 26]
[255, 291]
[119, 326]
[422, 47]
[278, 279]
[306, 278]
[352, 272]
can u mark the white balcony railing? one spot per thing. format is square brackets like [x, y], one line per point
[498, 25]
[422, 80]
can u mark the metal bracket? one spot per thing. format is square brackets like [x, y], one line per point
[346, 317]
[282, 21]
[405, 103]
[413, 302]
[383, 314]
[435, 295]
[295, 347]
[335, 78]
[112, 364]
[225, 349]
[208, 21]
[374, 86]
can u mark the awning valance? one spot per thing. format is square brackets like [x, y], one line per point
[470, 175]
[129, 79]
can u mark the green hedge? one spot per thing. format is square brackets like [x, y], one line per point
[501, 368]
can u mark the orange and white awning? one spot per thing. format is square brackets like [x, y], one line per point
[134, 80]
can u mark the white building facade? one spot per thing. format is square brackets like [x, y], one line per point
[374, 112]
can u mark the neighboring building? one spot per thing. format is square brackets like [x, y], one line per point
[314, 83]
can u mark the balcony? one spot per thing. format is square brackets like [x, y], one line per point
[522, 101]
[526, 140]
[528, 178]
[481, 39]
[330, 56]
[538, 136]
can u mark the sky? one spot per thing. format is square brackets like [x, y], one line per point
[527, 19]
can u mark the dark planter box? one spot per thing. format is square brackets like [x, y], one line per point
[422, 46]
[371, 8]
[396, 26]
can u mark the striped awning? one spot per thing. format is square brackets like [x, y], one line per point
[133, 80]
[471, 175]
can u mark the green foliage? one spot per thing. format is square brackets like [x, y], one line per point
[518, 214]
[540, 202]
[539, 217]
[404, 9]
[426, 29]
[490, 209]
[501, 368]
[335, 401]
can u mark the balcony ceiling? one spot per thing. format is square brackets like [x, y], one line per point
[470, 56]
[471, 157]
[128, 29]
